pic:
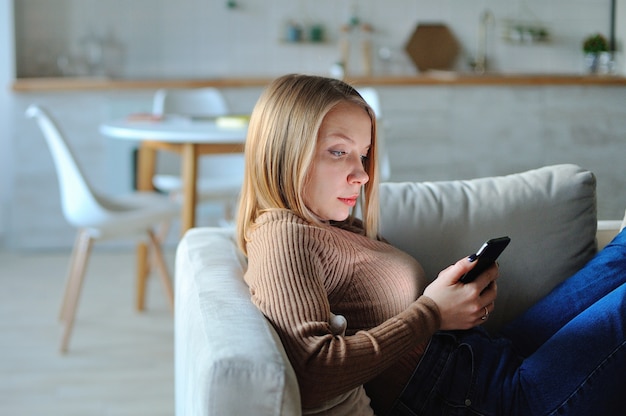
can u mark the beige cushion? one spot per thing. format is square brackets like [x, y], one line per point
[549, 213]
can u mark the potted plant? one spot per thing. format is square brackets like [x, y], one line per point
[596, 49]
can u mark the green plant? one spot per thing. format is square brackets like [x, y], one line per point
[595, 44]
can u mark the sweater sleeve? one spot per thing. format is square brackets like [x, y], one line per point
[285, 275]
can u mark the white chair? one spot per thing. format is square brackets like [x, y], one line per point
[219, 176]
[98, 217]
[370, 95]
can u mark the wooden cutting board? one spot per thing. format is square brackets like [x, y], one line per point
[433, 46]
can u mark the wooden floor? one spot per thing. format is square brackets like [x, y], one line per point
[120, 361]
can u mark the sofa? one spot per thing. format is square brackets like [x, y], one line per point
[228, 358]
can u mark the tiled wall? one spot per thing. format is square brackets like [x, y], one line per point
[432, 133]
[206, 38]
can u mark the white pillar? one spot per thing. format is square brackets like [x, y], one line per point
[620, 36]
[7, 75]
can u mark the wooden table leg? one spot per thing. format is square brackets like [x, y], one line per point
[146, 166]
[146, 162]
[189, 174]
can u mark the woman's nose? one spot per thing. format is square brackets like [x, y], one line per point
[358, 174]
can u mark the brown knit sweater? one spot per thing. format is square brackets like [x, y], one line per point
[300, 273]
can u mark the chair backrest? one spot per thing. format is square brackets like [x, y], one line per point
[371, 97]
[191, 102]
[198, 102]
[81, 205]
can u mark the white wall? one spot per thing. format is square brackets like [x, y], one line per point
[203, 38]
[6, 125]
[620, 35]
[433, 133]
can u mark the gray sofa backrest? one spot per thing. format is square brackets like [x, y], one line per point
[549, 213]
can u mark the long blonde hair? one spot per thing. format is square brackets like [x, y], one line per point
[279, 149]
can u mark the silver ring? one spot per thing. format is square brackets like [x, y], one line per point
[485, 315]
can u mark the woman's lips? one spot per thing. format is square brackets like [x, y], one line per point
[349, 201]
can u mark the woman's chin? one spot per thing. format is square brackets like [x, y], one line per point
[337, 215]
[342, 217]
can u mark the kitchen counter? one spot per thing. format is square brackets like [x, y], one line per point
[433, 78]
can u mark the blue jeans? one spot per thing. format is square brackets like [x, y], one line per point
[564, 356]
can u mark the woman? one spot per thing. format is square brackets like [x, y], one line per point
[410, 349]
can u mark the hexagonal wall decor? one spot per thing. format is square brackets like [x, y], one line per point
[432, 46]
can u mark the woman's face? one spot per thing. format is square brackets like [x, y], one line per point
[337, 174]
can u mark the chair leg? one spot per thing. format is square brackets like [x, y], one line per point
[82, 252]
[143, 270]
[162, 267]
[143, 265]
[71, 275]
[164, 230]
[228, 211]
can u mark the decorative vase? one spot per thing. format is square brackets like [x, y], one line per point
[591, 62]
[598, 63]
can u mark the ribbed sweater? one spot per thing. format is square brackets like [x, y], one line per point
[301, 274]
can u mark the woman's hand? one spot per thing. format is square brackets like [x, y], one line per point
[463, 306]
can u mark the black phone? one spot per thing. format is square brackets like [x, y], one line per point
[485, 257]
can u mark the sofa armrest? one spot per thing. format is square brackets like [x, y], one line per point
[607, 229]
[228, 358]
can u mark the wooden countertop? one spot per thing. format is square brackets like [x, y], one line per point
[434, 78]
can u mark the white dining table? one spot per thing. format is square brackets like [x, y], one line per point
[191, 137]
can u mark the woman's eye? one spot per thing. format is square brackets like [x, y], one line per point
[337, 153]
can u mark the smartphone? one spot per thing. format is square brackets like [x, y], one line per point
[485, 257]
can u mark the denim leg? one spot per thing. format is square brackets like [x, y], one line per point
[581, 370]
[605, 272]
[575, 362]
[463, 373]
[418, 394]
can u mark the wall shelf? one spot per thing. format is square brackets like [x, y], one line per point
[433, 78]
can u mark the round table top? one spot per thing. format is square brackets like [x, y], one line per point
[178, 129]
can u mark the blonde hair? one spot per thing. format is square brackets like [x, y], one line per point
[279, 149]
